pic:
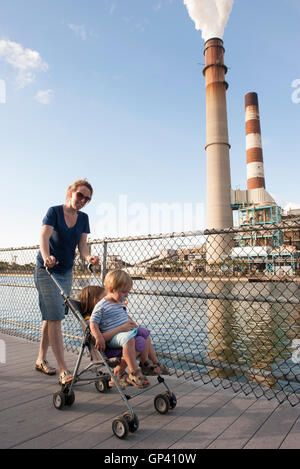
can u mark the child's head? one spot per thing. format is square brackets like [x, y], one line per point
[88, 297]
[117, 280]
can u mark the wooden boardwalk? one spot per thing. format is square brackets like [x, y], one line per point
[205, 416]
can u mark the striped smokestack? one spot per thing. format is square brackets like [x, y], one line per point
[255, 164]
[218, 184]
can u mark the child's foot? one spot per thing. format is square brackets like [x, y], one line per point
[150, 369]
[137, 379]
[122, 378]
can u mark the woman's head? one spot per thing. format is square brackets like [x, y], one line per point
[79, 193]
[88, 297]
[117, 280]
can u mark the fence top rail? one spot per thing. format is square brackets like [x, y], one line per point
[287, 224]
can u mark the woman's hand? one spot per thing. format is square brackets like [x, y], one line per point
[92, 260]
[50, 262]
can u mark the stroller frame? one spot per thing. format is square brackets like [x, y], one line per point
[128, 422]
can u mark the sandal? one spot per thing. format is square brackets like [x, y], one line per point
[137, 379]
[164, 370]
[121, 378]
[65, 378]
[45, 368]
[149, 368]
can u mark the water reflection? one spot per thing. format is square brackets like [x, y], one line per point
[225, 338]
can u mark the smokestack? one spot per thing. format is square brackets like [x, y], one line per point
[218, 204]
[255, 164]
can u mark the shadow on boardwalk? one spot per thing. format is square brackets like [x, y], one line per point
[205, 416]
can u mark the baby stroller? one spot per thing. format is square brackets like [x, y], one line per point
[101, 367]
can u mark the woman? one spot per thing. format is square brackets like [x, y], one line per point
[64, 228]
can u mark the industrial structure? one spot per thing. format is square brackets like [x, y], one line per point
[218, 183]
[269, 250]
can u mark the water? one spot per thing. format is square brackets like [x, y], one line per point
[201, 335]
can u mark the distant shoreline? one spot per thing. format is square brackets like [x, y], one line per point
[171, 278]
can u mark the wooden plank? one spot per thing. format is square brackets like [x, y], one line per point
[205, 417]
[241, 430]
[272, 433]
[292, 439]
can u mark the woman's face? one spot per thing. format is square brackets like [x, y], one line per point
[80, 197]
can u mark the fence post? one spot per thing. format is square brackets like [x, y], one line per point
[104, 261]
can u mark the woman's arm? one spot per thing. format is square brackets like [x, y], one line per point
[84, 250]
[49, 261]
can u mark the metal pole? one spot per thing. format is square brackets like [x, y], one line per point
[104, 261]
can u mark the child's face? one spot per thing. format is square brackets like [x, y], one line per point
[120, 295]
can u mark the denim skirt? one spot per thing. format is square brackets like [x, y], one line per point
[50, 300]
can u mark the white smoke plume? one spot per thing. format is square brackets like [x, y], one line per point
[209, 16]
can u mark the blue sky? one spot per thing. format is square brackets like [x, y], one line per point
[114, 92]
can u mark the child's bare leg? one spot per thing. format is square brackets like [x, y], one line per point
[152, 353]
[121, 367]
[129, 355]
[145, 353]
[149, 354]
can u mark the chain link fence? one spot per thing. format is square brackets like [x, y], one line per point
[221, 305]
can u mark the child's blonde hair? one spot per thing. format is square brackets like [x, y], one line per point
[116, 280]
[87, 297]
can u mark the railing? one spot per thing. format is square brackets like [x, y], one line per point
[216, 307]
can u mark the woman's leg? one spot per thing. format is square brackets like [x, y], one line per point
[44, 344]
[56, 342]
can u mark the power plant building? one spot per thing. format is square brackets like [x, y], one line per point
[272, 250]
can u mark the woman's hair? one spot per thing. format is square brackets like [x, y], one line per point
[117, 279]
[79, 182]
[87, 297]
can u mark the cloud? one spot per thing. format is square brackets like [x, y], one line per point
[291, 206]
[79, 30]
[44, 97]
[27, 62]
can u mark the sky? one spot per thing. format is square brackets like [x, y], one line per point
[113, 91]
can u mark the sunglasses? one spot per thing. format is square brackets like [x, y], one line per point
[82, 197]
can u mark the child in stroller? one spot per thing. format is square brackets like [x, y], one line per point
[113, 328]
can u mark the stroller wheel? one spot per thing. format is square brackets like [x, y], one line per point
[133, 423]
[120, 427]
[172, 399]
[59, 400]
[162, 403]
[101, 385]
[70, 398]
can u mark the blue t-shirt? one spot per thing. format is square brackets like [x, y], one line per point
[109, 315]
[63, 240]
